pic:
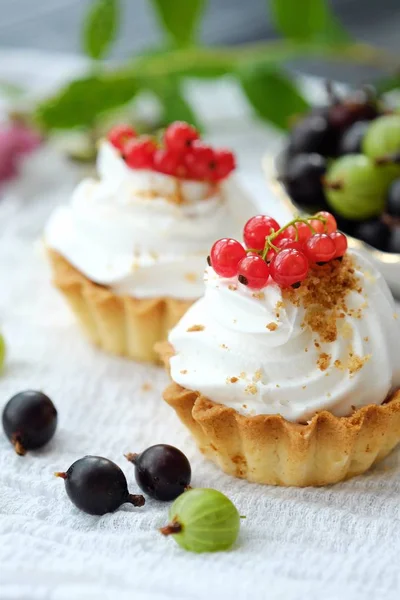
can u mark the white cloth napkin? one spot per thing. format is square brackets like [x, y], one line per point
[340, 542]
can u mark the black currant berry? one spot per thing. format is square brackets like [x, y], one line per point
[97, 486]
[163, 472]
[394, 241]
[361, 105]
[393, 199]
[313, 134]
[375, 233]
[303, 180]
[29, 420]
[351, 140]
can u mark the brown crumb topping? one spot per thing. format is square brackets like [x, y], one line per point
[278, 307]
[224, 346]
[232, 287]
[232, 379]
[272, 326]
[184, 371]
[259, 295]
[366, 339]
[324, 360]
[242, 375]
[357, 362]
[323, 295]
[257, 376]
[195, 328]
[251, 389]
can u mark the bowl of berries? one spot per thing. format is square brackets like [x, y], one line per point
[345, 158]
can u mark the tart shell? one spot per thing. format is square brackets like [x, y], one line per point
[271, 450]
[119, 325]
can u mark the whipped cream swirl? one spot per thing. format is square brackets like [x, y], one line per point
[128, 230]
[252, 351]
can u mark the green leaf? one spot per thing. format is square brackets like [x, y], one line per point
[307, 20]
[100, 27]
[82, 101]
[272, 94]
[179, 18]
[174, 104]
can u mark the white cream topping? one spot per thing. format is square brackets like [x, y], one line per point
[122, 231]
[227, 349]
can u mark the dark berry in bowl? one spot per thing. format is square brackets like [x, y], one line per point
[97, 486]
[313, 134]
[374, 232]
[393, 199]
[162, 471]
[361, 105]
[29, 420]
[303, 180]
[352, 138]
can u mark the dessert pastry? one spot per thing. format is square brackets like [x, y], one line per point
[128, 252]
[286, 370]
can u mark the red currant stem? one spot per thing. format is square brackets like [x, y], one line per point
[294, 222]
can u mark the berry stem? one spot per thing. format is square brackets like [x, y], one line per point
[388, 159]
[293, 222]
[132, 457]
[136, 499]
[332, 185]
[173, 528]
[18, 446]
[60, 474]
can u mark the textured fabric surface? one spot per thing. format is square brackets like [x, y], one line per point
[339, 542]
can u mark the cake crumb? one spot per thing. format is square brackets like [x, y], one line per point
[244, 405]
[272, 326]
[224, 346]
[305, 349]
[196, 328]
[346, 331]
[324, 360]
[257, 376]
[366, 339]
[251, 389]
[232, 287]
[357, 362]
[259, 295]
[303, 387]
[317, 344]
[184, 371]
[146, 386]
[191, 277]
[232, 379]
[242, 375]
[339, 365]
[278, 306]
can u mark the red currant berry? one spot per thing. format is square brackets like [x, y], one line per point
[199, 161]
[303, 232]
[320, 248]
[286, 243]
[289, 267]
[340, 241]
[270, 255]
[253, 271]
[120, 134]
[318, 226]
[225, 256]
[139, 153]
[180, 135]
[257, 229]
[224, 164]
[330, 224]
[169, 162]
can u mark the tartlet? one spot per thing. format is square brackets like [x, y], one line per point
[288, 386]
[128, 251]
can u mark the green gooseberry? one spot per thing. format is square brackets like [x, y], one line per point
[203, 520]
[2, 351]
[355, 187]
[382, 144]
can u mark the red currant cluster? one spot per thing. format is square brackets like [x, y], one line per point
[182, 153]
[284, 253]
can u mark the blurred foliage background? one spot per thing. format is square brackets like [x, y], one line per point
[304, 29]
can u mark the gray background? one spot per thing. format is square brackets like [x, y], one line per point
[54, 25]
